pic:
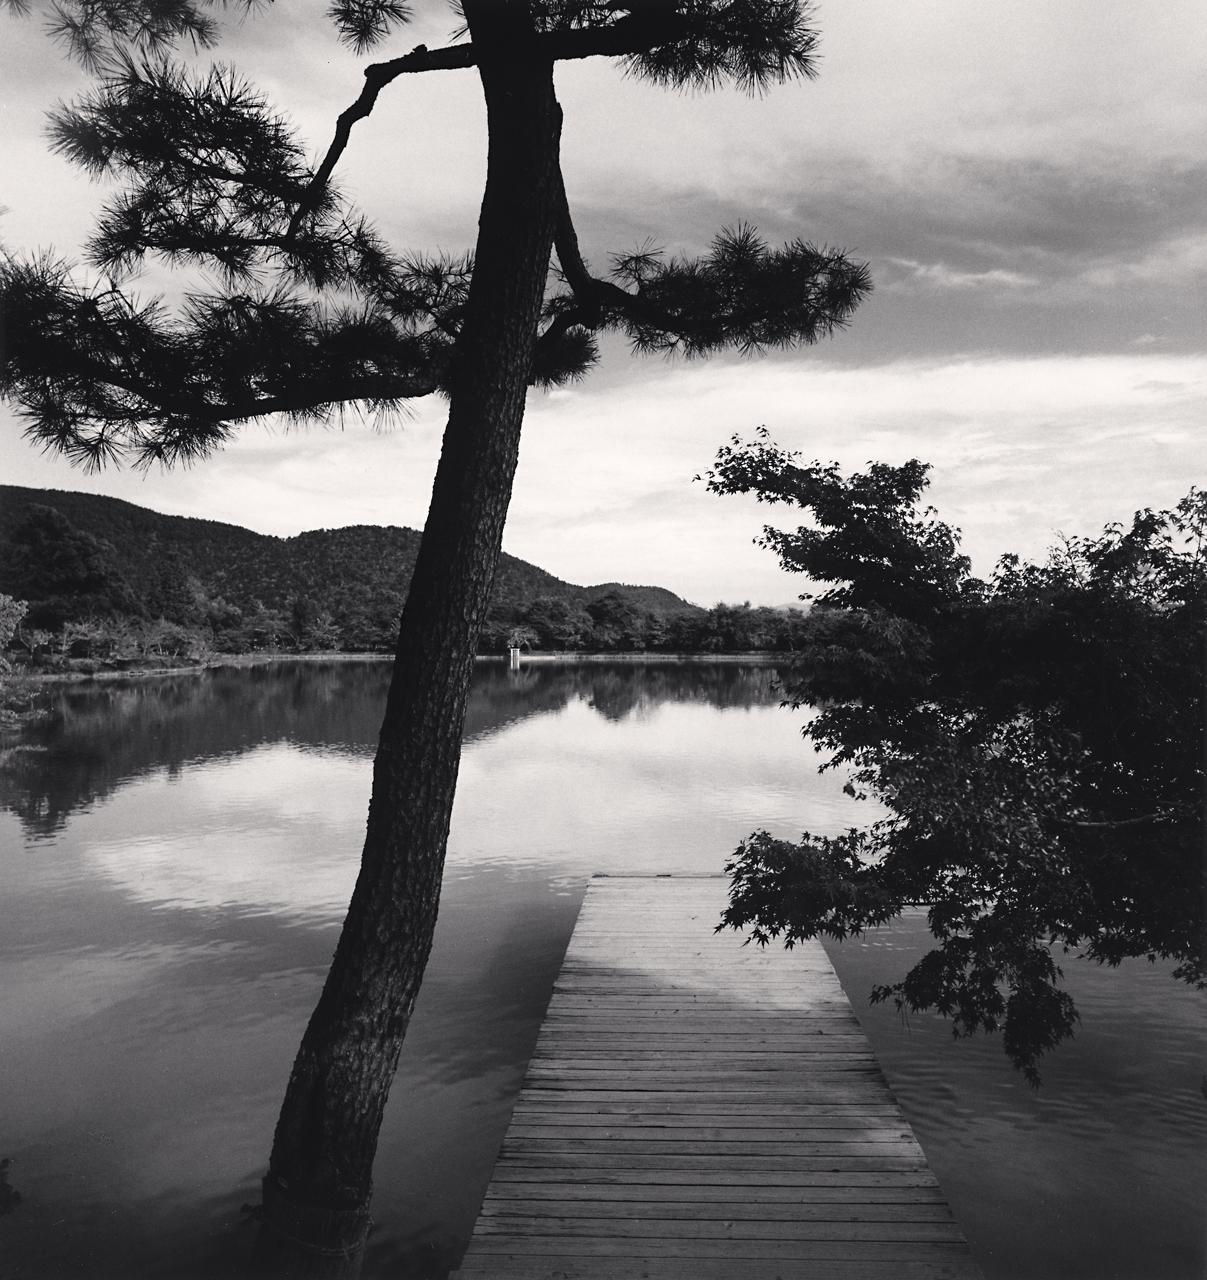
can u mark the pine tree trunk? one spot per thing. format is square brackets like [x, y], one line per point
[317, 1191]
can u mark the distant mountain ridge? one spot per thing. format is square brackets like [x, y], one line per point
[359, 573]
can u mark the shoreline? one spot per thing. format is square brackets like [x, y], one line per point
[243, 660]
[754, 656]
[192, 668]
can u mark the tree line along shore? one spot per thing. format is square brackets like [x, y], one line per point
[95, 584]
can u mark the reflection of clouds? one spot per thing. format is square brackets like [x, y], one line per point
[279, 829]
[675, 793]
[50, 989]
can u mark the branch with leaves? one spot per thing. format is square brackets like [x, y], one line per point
[1037, 740]
[741, 294]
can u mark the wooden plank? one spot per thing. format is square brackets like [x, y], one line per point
[754, 1209]
[606, 1245]
[657, 1128]
[690, 1020]
[675, 1031]
[608, 1115]
[798, 1199]
[703, 1162]
[818, 1180]
[640, 1056]
[666, 1230]
[866, 1095]
[781, 1016]
[826, 1001]
[680, 1075]
[729, 1091]
[689, 1025]
[698, 1109]
[501, 1266]
[888, 1155]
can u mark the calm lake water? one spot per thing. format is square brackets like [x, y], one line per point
[175, 859]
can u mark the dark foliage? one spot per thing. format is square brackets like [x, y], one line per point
[77, 556]
[1037, 739]
[326, 589]
[60, 571]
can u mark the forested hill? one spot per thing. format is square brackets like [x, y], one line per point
[76, 554]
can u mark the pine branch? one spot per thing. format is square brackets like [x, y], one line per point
[362, 23]
[377, 76]
[99, 376]
[94, 31]
[751, 43]
[680, 43]
[217, 179]
[742, 294]
[619, 39]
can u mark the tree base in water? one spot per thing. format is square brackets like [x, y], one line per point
[308, 1242]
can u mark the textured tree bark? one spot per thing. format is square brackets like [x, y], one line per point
[317, 1191]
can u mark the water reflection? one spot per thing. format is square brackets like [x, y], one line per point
[149, 1050]
[1106, 1164]
[189, 846]
[197, 802]
[101, 735]
[176, 858]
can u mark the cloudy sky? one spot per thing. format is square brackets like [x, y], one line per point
[1027, 183]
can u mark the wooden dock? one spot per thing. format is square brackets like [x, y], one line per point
[699, 1110]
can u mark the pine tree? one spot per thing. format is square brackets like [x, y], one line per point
[317, 312]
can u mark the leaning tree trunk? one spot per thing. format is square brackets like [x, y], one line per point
[317, 1191]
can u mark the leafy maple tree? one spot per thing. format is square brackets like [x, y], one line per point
[1037, 739]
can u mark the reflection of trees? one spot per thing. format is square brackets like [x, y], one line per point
[620, 691]
[101, 735]
[500, 697]
[614, 689]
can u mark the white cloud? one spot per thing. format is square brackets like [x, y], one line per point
[1180, 261]
[1020, 449]
[938, 275]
